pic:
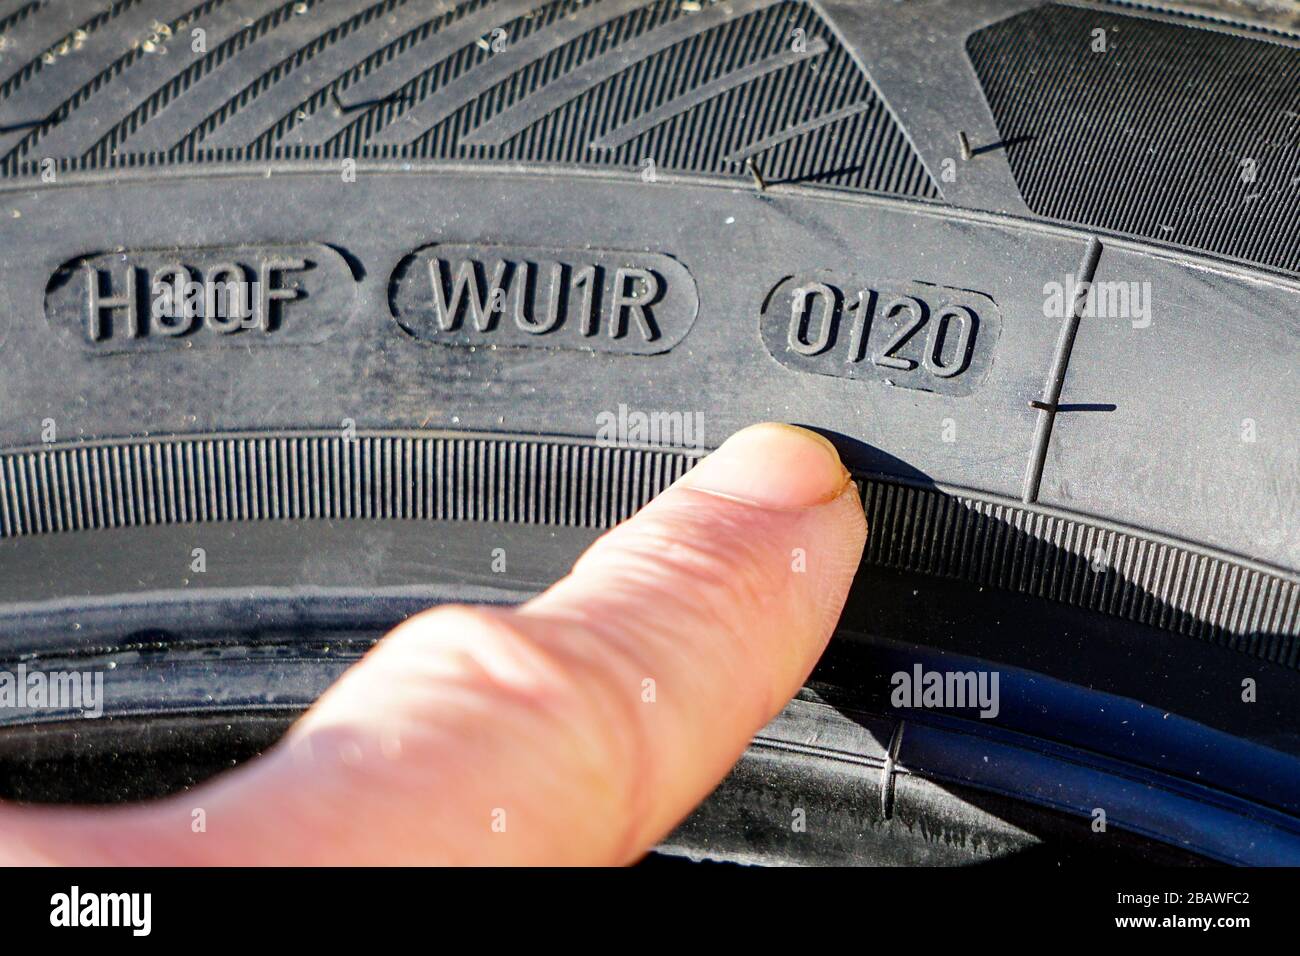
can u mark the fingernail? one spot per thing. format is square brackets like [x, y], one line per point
[773, 466]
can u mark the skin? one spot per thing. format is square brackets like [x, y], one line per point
[474, 735]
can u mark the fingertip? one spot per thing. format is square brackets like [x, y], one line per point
[772, 465]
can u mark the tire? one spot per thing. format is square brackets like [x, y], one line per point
[511, 266]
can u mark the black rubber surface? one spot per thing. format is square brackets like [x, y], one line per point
[483, 232]
[607, 84]
[1119, 138]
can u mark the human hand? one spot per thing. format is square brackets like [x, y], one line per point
[473, 735]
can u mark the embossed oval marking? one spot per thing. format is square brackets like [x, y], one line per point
[153, 299]
[638, 303]
[910, 334]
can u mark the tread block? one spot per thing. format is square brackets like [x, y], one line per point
[1182, 134]
[635, 84]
